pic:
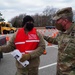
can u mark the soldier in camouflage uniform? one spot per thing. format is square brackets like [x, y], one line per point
[34, 56]
[65, 41]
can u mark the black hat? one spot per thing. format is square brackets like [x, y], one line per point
[27, 19]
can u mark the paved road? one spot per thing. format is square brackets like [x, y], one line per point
[47, 65]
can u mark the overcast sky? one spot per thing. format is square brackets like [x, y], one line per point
[12, 8]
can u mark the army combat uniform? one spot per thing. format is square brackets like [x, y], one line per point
[34, 60]
[66, 51]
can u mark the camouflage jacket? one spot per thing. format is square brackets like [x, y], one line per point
[66, 51]
[35, 60]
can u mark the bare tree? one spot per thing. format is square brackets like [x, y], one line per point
[17, 20]
[48, 13]
[41, 20]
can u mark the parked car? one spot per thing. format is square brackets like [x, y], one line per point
[50, 27]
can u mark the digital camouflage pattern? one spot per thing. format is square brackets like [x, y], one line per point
[66, 51]
[32, 71]
[64, 13]
[66, 44]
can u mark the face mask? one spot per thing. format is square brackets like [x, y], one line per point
[60, 27]
[29, 26]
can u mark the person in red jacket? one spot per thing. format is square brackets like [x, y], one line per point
[30, 43]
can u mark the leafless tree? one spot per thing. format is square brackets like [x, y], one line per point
[17, 20]
[48, 13]
[41, 20]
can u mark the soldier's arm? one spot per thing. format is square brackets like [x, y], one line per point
[10, 46]
[50, 40]
[40, 49]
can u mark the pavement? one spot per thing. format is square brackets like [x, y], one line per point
[47, 66]
[48, 62]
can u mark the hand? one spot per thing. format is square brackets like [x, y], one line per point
[45, 37]
[25, 57]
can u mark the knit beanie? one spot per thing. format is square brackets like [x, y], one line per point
[27, 19]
